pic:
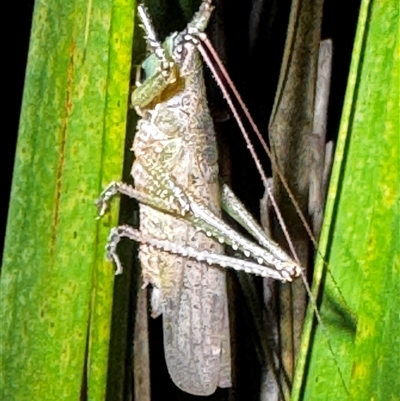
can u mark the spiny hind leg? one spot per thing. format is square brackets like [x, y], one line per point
[272, 255]
[179, 205]
[235, 208]
[125, 231]
[173, 200]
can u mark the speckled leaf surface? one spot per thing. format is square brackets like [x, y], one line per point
[360, 239]
[56, 287]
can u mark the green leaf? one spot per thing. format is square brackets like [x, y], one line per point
[356, 355]
[56, 287]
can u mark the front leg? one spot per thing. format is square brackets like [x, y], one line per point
[176, 205]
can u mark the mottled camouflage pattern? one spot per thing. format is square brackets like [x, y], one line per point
[176, 135]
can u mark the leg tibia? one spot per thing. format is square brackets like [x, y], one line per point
[202, 256]
[234, 207]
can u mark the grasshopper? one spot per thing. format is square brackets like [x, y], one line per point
[181, 232]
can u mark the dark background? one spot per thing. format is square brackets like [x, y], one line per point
[14, 57]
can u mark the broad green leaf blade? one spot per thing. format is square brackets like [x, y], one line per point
[360, 239]
[56, 287]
